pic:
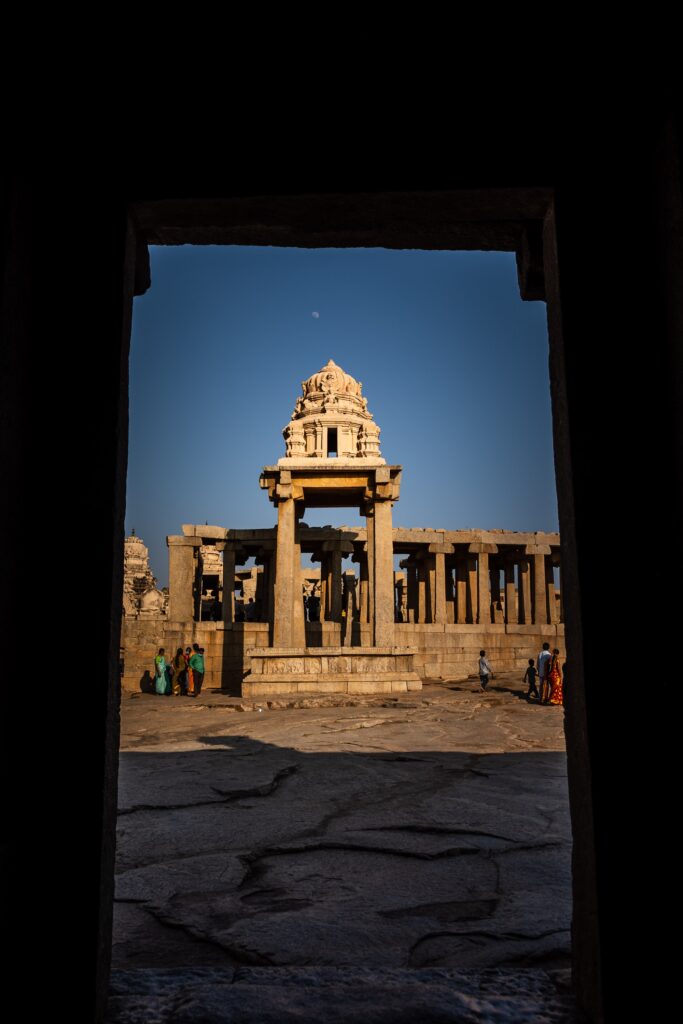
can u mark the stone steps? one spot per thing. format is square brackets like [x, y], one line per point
[330, 682]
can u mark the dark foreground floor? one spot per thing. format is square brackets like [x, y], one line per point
[389, 861]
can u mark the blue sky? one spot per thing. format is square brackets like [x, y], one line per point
[454, 366]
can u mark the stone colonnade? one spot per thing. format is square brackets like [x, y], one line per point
[462, 577]
[481, 582]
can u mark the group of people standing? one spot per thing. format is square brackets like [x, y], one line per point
[549, 673]
[546, 669]
[181, 676]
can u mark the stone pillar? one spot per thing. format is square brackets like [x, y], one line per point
[450, 595]
[400, 597]
[259, 595]
[483, 593]
[472, 603]
[411, 577]
[560, 610]
[265, 579]
[422, 589]
[283, 625]
[364, 596]
[270, 589]
[329, 586]
[461, 578]
[480, 578]
[439, 552]
[298, 611]
[540, 599]
[228, 610]
[383, 571]
[336, 578]
[324, 588]
[551, 600]
[349, 603]
[431, 588]
[181, 577]
[524, 592]
[496, 604]
[510, 592]
[370, 546]
[334, 550]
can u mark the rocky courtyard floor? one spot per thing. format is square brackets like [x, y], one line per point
[357, 859]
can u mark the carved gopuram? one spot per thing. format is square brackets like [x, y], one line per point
[355, 624]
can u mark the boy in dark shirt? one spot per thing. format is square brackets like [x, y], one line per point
[530, 679]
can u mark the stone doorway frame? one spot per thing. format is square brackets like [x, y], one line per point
[522, 220]
[511, 218]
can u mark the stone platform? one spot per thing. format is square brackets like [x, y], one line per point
[330, 670]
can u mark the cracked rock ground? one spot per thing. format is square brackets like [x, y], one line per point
[420, 846]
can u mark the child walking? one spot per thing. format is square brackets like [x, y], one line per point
[485, 670]
[530, 680]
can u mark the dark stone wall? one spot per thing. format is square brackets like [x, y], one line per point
[617, 395]
[619, 255]
[64, 413]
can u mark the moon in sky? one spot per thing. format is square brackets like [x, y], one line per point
[316, 316]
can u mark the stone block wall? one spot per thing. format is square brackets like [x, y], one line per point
[442, 651]
[224, 646]
[452, 651]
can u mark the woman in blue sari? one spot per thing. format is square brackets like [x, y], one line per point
[160, 672]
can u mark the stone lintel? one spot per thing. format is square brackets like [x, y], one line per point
[386, 492]
[441, 549]
[206, 532]
[479, 548]
[345, 546]
[423, 555]
[188, 542]
[266, 549]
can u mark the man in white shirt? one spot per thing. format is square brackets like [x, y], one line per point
[543, 666]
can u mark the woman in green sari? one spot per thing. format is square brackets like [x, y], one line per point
[160, 672]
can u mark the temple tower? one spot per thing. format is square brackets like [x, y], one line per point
[332, 460]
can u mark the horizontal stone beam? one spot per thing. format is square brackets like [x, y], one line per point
[209, 532]
[345, 546]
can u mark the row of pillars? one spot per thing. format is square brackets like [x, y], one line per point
[469, 590]
[185, 579]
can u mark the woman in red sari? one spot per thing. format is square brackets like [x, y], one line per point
[555, 678]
